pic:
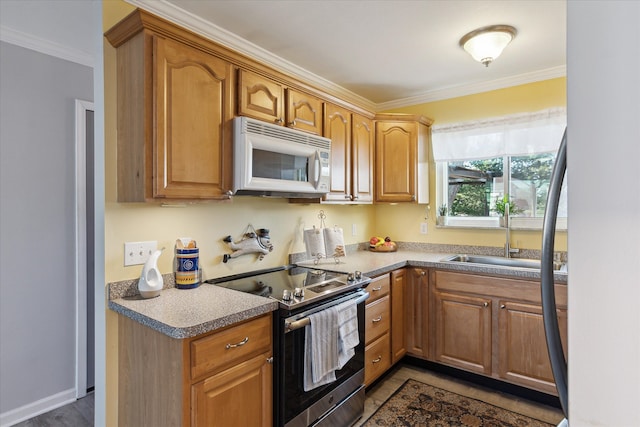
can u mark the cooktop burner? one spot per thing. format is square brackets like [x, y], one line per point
[293, 286]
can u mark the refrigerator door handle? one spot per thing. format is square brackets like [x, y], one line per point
[550, 317]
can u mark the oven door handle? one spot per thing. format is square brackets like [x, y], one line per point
[301, 320]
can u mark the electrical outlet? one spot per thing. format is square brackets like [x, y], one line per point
[138, 252]
[354, 230]
[423, 228]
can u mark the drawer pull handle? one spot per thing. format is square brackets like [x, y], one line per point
[377, 319]
[376, 289]
[377, 359]
[240, 344]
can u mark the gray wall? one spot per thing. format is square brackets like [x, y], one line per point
[37, 249]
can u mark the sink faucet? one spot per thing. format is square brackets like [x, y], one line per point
[508, 250]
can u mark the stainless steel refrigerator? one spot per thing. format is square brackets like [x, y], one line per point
[552, 330]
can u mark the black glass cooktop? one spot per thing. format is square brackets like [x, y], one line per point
[292, 286]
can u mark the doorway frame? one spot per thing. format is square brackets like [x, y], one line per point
[81, 107]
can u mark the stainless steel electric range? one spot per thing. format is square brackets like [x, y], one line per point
[303, 292]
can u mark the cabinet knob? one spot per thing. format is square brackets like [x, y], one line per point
[279, 120]
[292, 123]
[413, 197]
[347, 196]
[423, 273]
[354, 197]
[485, 304]
[229, 193]
[270, 360]
[503, 306]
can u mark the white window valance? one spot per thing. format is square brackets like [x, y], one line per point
[514, 135]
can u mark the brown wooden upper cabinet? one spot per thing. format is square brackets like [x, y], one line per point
[175, 104]
[351, 155]
[267, 100]
[401, 152]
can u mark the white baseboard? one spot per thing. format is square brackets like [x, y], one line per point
[33, 409]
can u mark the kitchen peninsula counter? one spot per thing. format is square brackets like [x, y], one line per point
[186, 313]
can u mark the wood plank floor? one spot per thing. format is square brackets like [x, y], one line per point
[76, 414]
[80, 413]
[381, 391]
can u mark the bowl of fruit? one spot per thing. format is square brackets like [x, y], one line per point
[378, 244]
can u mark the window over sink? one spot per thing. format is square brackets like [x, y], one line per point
[481, 165]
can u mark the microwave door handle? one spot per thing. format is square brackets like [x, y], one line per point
[315, 171]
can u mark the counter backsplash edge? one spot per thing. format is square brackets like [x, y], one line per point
[129, 288]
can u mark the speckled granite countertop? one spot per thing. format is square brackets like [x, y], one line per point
[377, 263]
[185, 313]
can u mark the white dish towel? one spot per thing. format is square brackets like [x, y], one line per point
[348, 337]
[321, 349]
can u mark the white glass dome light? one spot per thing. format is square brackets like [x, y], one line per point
[487, 43]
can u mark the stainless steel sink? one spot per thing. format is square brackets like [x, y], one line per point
[503, 262]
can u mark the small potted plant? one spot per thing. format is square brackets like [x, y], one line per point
[442, 213]
[501, 208]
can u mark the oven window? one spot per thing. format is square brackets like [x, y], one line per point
[268, 164]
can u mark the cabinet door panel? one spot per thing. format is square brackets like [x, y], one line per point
[304, 112]
[238, 396]
[417, 303]
[191, 98]
[395, 161]
[337, 127]
[260, 98]
[398, 316]
[463, 332]
[524, 358]
[362, 158]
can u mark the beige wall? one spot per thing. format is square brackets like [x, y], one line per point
[208, 223]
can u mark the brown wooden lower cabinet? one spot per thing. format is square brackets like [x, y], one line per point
[417, 312]
[398, 315]
[463, 331]
[493, 326]
[197, 381]
[377, 352]
[523, 357]
[377, 358]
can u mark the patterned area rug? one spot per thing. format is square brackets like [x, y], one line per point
[418, 404]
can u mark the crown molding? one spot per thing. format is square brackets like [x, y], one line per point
[474, 88]
[29, 41]
[232, 41]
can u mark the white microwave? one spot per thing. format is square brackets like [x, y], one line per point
[271, 160]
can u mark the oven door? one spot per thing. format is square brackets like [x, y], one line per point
[303, 408]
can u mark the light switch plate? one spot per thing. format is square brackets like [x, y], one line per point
[136, 253]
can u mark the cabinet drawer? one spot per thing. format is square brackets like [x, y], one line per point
[378, 288]
[377, 321]
[230, 346]
[377, 358]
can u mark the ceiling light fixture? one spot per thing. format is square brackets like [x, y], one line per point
[487, 43]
